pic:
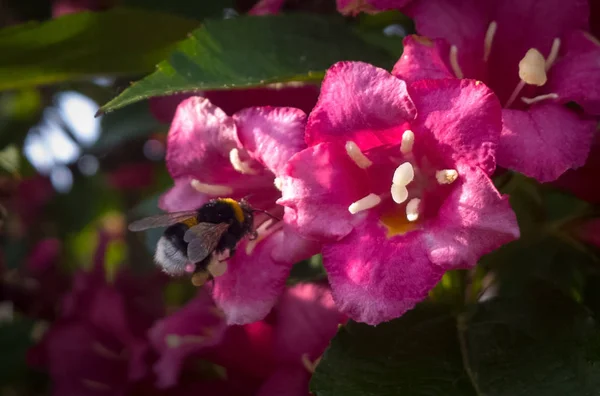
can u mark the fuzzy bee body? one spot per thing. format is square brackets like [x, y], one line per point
[197, 237]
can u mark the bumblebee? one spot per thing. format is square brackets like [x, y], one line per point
[200, 237]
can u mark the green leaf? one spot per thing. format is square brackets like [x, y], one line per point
[115, 42]
[10, 160]
[252, 51]
[191, 9]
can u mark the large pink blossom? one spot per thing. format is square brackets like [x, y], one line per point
[270, 357]
[210, 154]
[536, 57]
[434, 143]
[354, 7]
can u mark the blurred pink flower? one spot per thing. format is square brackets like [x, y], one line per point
[272, 357]
[266, 7]
[31, 196]
[64, 7]
[354, 7]
[589, 231]
[434, 143]
[210, 154]
[536, 57]
[134, 176]
[583, 182]
[98, 345]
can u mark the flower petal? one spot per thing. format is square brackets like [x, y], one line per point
[199, 142]
[286, 381]
[473, 220]
[576, 75]
[423, 59]
[318, 186]
[271, 134]
[253, 282]
[182, 196]
[582, 182]
[306, 319]
[545, 141]
[375, 279]
[266, 7]
[193, 328]
[461, 117]
[359, 102]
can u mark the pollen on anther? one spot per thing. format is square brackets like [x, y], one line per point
[408, 140]
[412, 209]
[399, 193]
[278, 183]
[446, 176]
[368, 202]
[210, 189]
[532, 68]
[240, 165]
[403, 174]
[357, 156]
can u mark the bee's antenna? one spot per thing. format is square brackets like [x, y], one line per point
[267, 213]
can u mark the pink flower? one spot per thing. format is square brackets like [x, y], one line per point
[536, 59]
[583, 182]
[266, 7]
[434, 143]
[210, 154]
[271, 357]
[64, 7]
[98, 344]
[354, 7]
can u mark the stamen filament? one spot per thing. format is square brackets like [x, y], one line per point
[454, 62]
[514, 94]
[210, 189]
[446, 176]
[553, 53]
[368, 202]
[403, 174]
[399, 193]
[408, 140]
[357, 156]
[263, 231]
[539, 98]
[412, 209]
[239, 165]
[489, 39]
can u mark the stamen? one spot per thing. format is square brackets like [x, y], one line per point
[403, 174]
[95, 385]
[412, 209]
[454, 62]
[278, 183]
[217, 267]
[173, 341]
[446, 176]
[357, 156]
[539, 98]
[239, 165]
[532, 68]
[263, 231]
[489, 39]
[408, 140]
[514, 94]
[553, 53]
[210, 189]
[399, 193]
[368, 202]
[308, 364]
[103, 351]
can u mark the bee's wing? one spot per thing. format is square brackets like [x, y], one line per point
[161, 220]
[202, 239]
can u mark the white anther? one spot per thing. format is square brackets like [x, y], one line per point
[489, 39]
[357, 156]
[539, 98]
[412, 209]
[399, 193]
[403, 174]
[278, 183]
[173, 340]
[532, 68]
[553, 53]
[217, 267]
[454, 62]
[408, 140]
[240, 165]
[368, 202]
[446, 176]
[210, 189]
